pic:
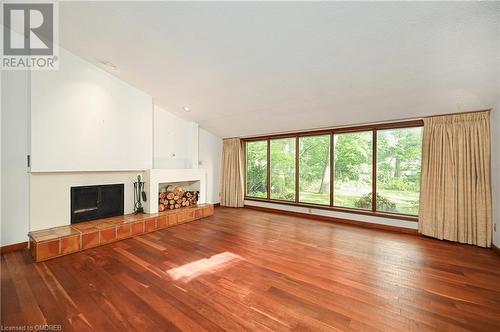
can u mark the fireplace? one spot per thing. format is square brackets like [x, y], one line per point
[94, 202]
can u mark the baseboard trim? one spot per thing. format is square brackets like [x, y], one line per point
[495, 249]
[14, 247]
[336, 220]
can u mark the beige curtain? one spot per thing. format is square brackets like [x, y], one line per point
[455, 193]
[232, 184]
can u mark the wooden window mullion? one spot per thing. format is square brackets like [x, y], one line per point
[297, 169]
[332, 155]
[374, 171]
[268, 184]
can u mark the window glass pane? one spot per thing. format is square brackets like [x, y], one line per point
[399, 153]
[353, 170]
[257, 169]
[282, 165]
[314, 169]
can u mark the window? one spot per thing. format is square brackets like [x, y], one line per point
[353, 170]
[257, 169]
[282, 169]
[399, 153]
[372, 169]
[314, 169]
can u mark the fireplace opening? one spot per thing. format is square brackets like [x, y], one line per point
[94, 202]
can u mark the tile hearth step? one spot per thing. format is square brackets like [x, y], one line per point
[58, 241]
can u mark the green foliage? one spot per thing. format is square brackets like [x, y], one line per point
[353, 155]
[398, 159]
[401, 184]
[314, 166]
[282, 167]
[383, 203]
[398, 167]
[257, 169]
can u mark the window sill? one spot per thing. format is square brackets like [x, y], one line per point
[333, 208]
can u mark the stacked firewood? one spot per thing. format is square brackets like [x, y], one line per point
[176, 198]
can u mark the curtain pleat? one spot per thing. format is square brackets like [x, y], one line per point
[232, 184]
[455, 193]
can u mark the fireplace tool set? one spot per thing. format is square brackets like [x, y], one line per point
[139, 195]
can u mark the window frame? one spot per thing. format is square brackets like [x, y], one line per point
[331, 131]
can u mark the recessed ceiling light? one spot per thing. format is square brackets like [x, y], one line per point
[109, 65]
[186, 109]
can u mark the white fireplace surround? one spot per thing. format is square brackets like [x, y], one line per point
[50, 191]
[155, 177]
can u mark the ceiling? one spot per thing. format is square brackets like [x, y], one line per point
[248, 68]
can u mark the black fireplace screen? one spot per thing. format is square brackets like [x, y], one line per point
[94, 202]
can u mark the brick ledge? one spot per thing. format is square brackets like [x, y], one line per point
[58, 241]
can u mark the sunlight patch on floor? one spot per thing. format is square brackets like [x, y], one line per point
[213, 264]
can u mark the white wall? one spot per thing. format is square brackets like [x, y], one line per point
[83, 126]
[85, 119]
[50, 194]
[182, 144]
[336, 214]
[14, 147]
[210, 157]
[175, 141]
[495, 170]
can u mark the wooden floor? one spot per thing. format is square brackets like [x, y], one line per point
[249, 270]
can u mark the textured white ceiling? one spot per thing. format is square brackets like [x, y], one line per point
[253, 68]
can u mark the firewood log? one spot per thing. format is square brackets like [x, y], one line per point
[172, 202]
[177, 206]
[170, 195]
[162, 195]
[178, 191]
[161, 207]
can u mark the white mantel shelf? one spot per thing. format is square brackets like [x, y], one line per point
[153, 177]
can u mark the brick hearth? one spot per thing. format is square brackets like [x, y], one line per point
[58, 241]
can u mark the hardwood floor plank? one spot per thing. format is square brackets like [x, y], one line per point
[28, 304]
[248, 270]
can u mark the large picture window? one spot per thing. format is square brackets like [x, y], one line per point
[256, 169]
[367, 169]
[399, 153]
[314, 169]
[282, 165]
[353, 170]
